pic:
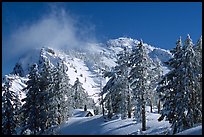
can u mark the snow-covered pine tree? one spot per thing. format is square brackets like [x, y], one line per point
[10, 109]
[114, 90]
[101, 99]
[57, 95]
[155, 77]
[168, 85]
[190, 82]
[158, 71]
[198, 53]
[80, 97]
[118, 94]
[67, 91]
[179, 88]
[38, 102]
[122, 70]
[139, 79]
[31, 106]
[61, 92]
[185, 78]
[46, 95]
[110, 90]
[198, 60]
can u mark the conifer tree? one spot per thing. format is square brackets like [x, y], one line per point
[178, 88]
[10, 109]
[118, 94]
[123, 73]
[31, 106]
[139, 79]
[61, 92]
[79, 95]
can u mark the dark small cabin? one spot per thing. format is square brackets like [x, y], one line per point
[82, 113]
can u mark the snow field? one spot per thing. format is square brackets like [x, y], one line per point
[97, 125]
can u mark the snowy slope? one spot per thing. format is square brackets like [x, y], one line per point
[192, 131]
[85, 64]
[117, 45]
[97, 125]
[78, 69]
[17, 84]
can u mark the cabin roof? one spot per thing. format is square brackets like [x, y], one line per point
[81, 112]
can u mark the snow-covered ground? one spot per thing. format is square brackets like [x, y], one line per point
[97, 125]
[192, 131]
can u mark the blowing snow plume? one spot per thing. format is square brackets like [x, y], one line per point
[58, 30]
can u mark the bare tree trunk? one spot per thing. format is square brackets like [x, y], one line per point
[129, 107]
[85, 108]
[143, 115]
[101, 95]
[159, 106]
[102, 106]
[143, 118]
[103, 110]
[151, 105]
[129, 114]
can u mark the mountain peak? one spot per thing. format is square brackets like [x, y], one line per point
[122, 42]
[85, 65]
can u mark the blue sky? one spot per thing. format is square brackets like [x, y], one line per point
[25, 25]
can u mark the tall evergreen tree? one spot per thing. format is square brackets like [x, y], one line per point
[158, 72]
[190, 82]
[198, 60]
[38, 102]
[79, 95]
[178, 88]
[118, 95]
[10, 109]
[155, 77]
[123, 73]
[167, 86]
[61, 92]
[46, 94]
[139, 79]
[31, 106]
[110, 89]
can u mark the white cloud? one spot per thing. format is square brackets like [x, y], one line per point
[58, 29]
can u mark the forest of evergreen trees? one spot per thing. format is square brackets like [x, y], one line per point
[135, 82]
[138, 81]
[50, 99]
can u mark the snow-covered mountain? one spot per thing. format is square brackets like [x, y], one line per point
[84, 64]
